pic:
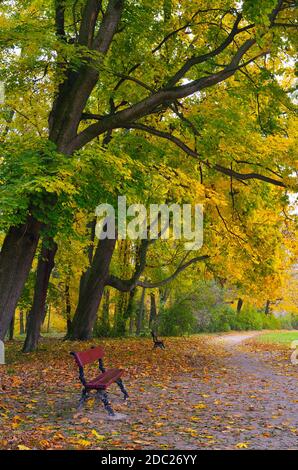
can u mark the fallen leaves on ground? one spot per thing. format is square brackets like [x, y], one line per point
[193, 395]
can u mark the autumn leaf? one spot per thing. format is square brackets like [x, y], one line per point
[200, 406]
[84, 442]
[242, 445]
[99, 437]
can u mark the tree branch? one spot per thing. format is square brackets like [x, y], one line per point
[288, 25]
[248, 176]
[74, 92]
[165, 135]
[202, 58]
[127, 285]
[161, 97]
[60, 19]
[174, 275]
[108, 26]
[226, 171]
[90, 14]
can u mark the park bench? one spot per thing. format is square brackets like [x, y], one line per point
[102, 381]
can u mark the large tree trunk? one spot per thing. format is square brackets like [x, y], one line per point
[91, 291]
[267, 307]
[37, 313]
[16, 258]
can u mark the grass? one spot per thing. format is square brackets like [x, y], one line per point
[280, 337]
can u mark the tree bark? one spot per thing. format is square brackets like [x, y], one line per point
[239, 305]
[16, 258]
[267, 307]
[37, 313]
[91, 291]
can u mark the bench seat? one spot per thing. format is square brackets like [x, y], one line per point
[104, 380]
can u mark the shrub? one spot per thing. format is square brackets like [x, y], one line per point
[289, 321]
[177, 320]
[205, 311]
[221, 318]
[101, 329]
[270, 322]
[248, 319]
[294, 321]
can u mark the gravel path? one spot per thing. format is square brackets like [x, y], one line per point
[259, 402]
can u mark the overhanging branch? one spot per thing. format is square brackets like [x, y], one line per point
[226, 171]
[174, 275]
[128, 285]
[161, 97]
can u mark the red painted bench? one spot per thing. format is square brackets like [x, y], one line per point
[102, 381]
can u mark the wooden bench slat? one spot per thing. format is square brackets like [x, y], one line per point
[105, 379]
[88, 356]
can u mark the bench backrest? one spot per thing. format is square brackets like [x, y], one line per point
[90, 355]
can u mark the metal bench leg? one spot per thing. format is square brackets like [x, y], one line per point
[104, 398]
[122, 388]
[84, 397]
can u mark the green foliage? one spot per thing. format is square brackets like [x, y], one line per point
[257, 11]
[222, 318]
[177, 320]
[186, 317]
[248, 319]
[289, 321]
[33, 175]
[102, 329]
[270, 322]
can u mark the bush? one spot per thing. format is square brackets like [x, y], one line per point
[248, 319]
[177, 320]
[205, 311]
[289, 321]
[270, 322]
[221, 318]
[294, 321]
[101, 329]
